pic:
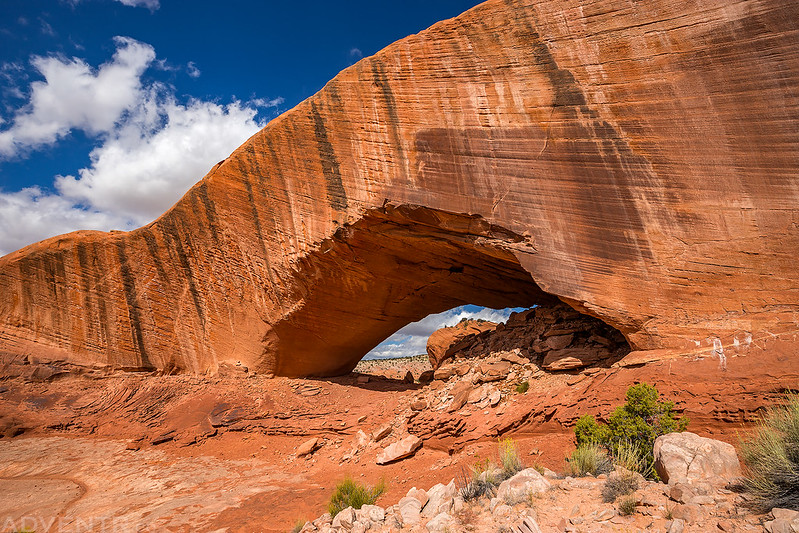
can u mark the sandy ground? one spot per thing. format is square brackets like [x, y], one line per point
[132, 452]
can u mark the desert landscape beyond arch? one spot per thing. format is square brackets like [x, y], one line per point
[638, 164]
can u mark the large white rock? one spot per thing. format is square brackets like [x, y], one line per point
[522, 486]
[681, 457]
[399, 450]
[410, 510]
[371, 513]
[441, 523]
[345, 519]
[440, 499]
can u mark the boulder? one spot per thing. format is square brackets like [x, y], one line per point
[440, 499]
[410, 511]
[371, 513]
[399, 450]
[522, 486]
[345, 519]
[441, 523]
[308, 447]
[419, 494]
[688, 457]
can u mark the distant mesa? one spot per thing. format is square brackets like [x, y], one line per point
[638, 164]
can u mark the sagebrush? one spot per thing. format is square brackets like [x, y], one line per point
[350, 493]
[771, 458]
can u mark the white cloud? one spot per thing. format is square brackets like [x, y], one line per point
[192, 70]
[75, 96]
[412, 339]
[29, 215]
[151, 148]
[152, 5]
[145, 167]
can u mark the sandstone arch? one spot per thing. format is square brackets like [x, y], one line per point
[645, 155]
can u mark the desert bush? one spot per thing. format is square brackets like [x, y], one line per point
[627, 505]
[771, 458]
[523, 387]
[619, 485]
[509, 459]
[589, 458]
[632, 427]
[632, 457]
[350, 493]
[471, 485]
[298, 525]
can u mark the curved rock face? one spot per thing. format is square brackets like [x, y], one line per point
[637, 161]
[441, 341]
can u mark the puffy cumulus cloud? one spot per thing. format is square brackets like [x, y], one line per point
[412, 339]
[30, 215]
[148, 163]
[150, 147]
[73, 95]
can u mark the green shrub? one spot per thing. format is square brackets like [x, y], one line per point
[509, 459]
[771, 457]
[632, 427]
[523, 387]
[589, 458]
[627, 505]
[619, 485]
[350, 493]
[298, 525]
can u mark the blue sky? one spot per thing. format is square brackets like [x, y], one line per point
[111, 109]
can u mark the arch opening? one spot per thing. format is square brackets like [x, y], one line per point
[392, 267]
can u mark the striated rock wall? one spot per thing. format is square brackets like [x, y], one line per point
[636, 160]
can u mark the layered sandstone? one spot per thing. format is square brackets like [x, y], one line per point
[635, 160]
[441, 341]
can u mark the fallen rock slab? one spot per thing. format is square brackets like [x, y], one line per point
[399, 450]
[308, 447]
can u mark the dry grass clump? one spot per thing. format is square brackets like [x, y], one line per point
[619, 485]
[771, 456]
[590, 458]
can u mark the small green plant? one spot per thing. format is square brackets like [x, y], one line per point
[350, 493]
[633, 427]
[771, 456]
[619, 485]
[589, 458]
[627, 505]
[523, 387]
[509, 459]
[298, 525]
[669, 514]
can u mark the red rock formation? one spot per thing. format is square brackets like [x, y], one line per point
[555, 337]
[637, 161]
[441, 340]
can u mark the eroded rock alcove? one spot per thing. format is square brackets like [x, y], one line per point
[396, 265]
